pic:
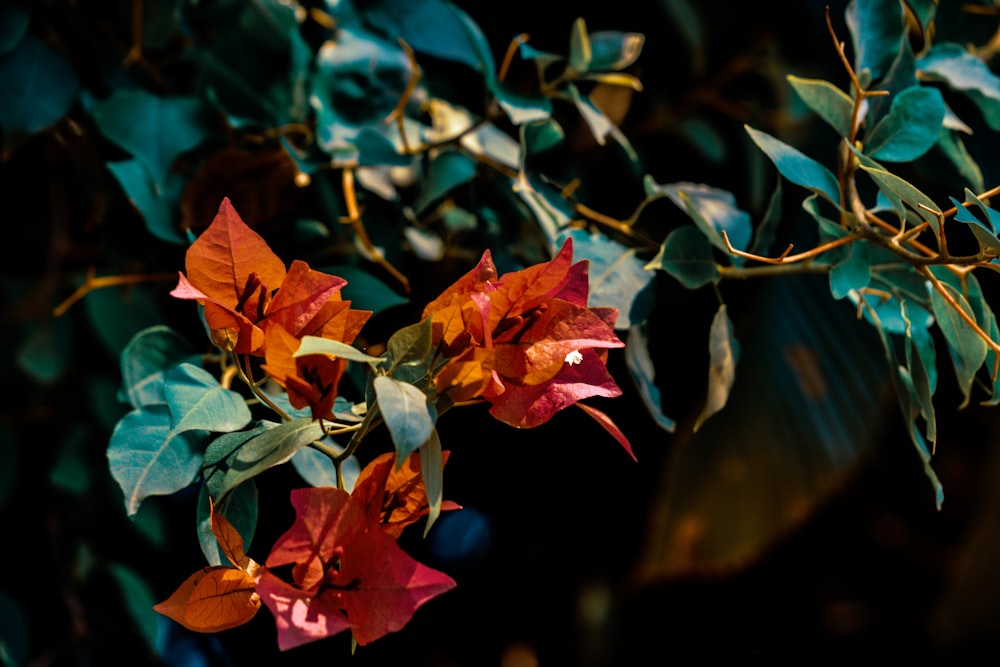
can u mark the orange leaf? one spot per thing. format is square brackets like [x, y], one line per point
[213, 599]
[465, 377]
[229, 539]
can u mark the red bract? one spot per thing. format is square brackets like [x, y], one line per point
[245, 288]
[546, 348]
[347, 572]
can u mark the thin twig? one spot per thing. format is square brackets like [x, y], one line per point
[785, 258]
[93, 283]
[354, 219]
[398, 114]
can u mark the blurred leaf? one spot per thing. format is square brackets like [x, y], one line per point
[541, 136]
[71, 470]
[686, 254]
[39, 86]
[15, 635]
[14, 22]
[613, 50]
[45, 353]
[145, 359]
[138, 599]
[798, 167]
[617, 277]
[155, 130]
[115, 315]
[599, 124]
[147, 457]
[876, 30]
[950, 143]
[365, 291]
[408, 415]
[643, 373]
[579, 48]
[828, 102]
[910, 129]
[712, 210]
[156, 203]
[962, 70]
[522, 108]
[724, 352]
[447, 170]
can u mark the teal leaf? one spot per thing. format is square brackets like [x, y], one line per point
[318, 345]
[148, 458]
[145, 359]
[240, 508]
[222, 450]
[724, 351]
[853, 272]
[911, 127]
[903, 193]
[579, 48]
[686, 254]
[266, 449]
[522, 108]
[985, 231]
[117, 314]
[643, 373]
[155, 130]
[365, 291]
[317, 469]
[157, 203]
[198, 402]
[950, 143]
[877, 31]
[541, 136]
[827, 101]
[551, 211]
[39, 85]
[618, 278]
[921, 363]
[967, 348]
[71, 470]
[713, 211]
[962, 70]
[45, 354]
[408, 415]
[613, 50]
[599, 124]
[798, 167]
[447, 170]
[138, 598]
[432, 474]
[14, 22]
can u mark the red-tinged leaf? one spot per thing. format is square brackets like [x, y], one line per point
[222, 258]
[301, 616]
[382, 586]
[310, 380]
[528, 406]
[475, 280]
[325, 519]
[394, 498]
[213, 599]
[575, 287]
[303, 295]
[609, 426]
[519, 289]
[467, 376]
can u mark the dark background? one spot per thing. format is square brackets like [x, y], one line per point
[551, 553]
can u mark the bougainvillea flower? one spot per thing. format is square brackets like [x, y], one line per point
[244, 287]
[346, 573]
[311, 380]
[395, 497]
[548, 348]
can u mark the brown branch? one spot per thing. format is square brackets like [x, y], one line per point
[354, 219]
[93, 283]
[785, 258]
[397, 114]
[508, 57]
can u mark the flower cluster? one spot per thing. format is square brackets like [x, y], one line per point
[253, 305]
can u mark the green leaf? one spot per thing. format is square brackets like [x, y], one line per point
[145, 359]
[522, 108]
[365, 291]
[222, 450]
[950, 143]
[921, 363]
[579, 48]
[432, 473]
[903, 194]
[157, 203]
[827, 101]
[617, 277]
[968, 349]
[408, 415]
[317, 469]
[614, 50]
[139, 600]
[877, 30]
[712, 210]
[686, 254]
[147, 458]
[724, 351]
[853, 272]
[240, 508]
[640, 366]
[984, 231]
[447, 170]
[798, 167]
[267, 449]
[964, 71]
[155, 130]
[411, 345]
[911, 127]
[198, 402]
[39, 85]
[319, 345]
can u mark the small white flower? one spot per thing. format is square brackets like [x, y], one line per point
[573, 358]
